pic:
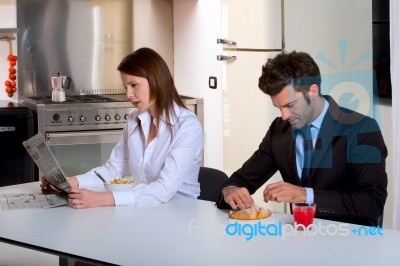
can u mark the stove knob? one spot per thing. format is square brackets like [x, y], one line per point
[56, 117]
[108, 118]
[70, 119]
[117, 117]
[82, 118]
[126, 116]
[97, 118]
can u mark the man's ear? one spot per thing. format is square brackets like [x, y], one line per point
[314, 91]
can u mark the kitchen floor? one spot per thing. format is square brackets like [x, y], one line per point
[16, 256]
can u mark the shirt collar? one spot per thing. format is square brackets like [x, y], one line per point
[318, 122]
[145, 117]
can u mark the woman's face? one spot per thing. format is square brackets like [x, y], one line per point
[137, 91]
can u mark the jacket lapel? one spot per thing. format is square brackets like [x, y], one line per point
[322, 157]
[291, 154]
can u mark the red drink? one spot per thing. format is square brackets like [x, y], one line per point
[303, 214]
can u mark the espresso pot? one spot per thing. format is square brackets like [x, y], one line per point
[59, 85]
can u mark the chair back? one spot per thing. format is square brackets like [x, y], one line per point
[210, 180]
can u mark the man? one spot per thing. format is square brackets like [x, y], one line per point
[346, 178]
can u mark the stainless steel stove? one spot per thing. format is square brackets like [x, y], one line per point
[79, 112]
[82, 131]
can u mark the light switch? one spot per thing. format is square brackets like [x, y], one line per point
[212, 82]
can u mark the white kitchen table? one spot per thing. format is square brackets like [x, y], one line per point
[189, 232]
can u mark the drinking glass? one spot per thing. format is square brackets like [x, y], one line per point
[303, 214]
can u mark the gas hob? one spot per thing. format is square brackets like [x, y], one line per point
[78, 99]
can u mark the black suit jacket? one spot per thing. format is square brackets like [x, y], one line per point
[348, 166]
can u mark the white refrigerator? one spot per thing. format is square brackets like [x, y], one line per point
[249, 36]
[236, 113]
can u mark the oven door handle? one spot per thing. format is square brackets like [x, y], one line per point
[88, 137]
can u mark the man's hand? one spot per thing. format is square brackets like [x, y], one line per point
[238, 197]
[282, 191]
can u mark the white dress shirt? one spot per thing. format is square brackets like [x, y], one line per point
[166, 166]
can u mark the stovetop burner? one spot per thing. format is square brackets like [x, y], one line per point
[76, 99]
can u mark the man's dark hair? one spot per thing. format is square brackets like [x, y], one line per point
[295, 68]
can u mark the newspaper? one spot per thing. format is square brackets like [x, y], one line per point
[31, 201]
[46, 161]
[51, 170]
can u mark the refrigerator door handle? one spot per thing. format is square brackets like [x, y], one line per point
[226, 57]
[225, 41]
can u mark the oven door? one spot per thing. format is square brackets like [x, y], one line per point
[79, 151]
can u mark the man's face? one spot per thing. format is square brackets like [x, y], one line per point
[294, 106]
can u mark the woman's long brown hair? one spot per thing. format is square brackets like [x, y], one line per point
[147, 63]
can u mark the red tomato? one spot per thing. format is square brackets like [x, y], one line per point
[15, 58]
[12, 70]
[13, 89]
[10, 57]
[13, 63]
[8, 90]
[7, 83]
[12, 76]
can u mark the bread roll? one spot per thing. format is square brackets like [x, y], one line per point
[252, 213]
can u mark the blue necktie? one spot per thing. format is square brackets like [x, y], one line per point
[308, 152]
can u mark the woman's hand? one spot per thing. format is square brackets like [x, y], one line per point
[48, 188]
[80, 198]
[73, 181]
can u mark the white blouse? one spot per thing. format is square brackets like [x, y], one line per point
[168, 165]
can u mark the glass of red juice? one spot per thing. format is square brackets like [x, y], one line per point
[303, 214]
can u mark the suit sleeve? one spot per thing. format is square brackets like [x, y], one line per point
[254, 172]
[361, 192]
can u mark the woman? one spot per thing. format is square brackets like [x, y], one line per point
[161, 145]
